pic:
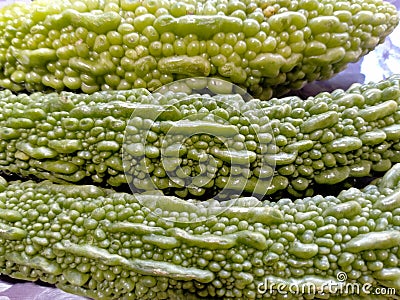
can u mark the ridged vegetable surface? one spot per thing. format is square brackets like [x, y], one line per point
[108, 245]
[201, 145]
[267, 46]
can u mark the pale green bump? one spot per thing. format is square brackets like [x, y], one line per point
[66, 146]
[303, 251]
[373, 137]
[12, 233]
[281, 158]
[321, 121]
[373, 240]
[378, 111]
[392, 132]
[343, 210]
[332, 176]
[75, 277]
[10, 215]
[344, 144]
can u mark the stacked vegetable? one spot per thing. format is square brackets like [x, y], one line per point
[201, 167]
[201, 145]
[267, 46]
[108, 245]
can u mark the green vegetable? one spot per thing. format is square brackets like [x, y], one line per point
[268, 47]
[108, 245]
[202, 145]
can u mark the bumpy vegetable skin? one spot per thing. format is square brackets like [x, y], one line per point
[109, 245]
[201, 145]
[264, 45]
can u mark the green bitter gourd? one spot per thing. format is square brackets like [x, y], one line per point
[108, 245]
[199, 145]
[264, 45]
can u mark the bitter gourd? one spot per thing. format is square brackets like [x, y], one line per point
[202, 145]
[265, 45]
[108, 245]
